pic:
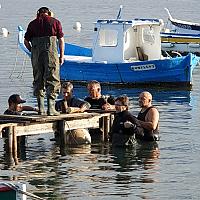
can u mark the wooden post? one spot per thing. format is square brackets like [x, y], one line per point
[15, 146]
[62, 136]
[10, 139]
[106, 128]
[101, 127]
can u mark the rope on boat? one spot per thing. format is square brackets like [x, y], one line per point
[17, 189]
[23, 68]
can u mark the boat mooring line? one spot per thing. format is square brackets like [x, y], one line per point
[119, 73]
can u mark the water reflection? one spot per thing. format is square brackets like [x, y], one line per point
[141, 156]
[160, 95]
[98, 170]
[76, 149]
[10, 159]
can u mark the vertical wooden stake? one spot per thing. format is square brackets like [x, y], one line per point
[61, 130]
[10, 139]
[101, 126]
[106, 128]
[15, 146]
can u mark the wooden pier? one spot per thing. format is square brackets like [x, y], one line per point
[14, 127]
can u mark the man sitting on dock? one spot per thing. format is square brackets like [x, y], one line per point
[16, 107]
[72, 104]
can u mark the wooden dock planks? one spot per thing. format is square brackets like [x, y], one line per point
[15, 126]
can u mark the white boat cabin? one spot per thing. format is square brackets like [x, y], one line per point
[118, 41]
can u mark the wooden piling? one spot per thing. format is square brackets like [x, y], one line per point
[106, 128]
[15, 146]
[10, 139]
[61, 132]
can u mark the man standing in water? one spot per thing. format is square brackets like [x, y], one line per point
[41, 40]
[148, 118]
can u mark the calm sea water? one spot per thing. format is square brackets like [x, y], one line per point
[168, 170]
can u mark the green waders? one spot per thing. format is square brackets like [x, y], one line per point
[46, 72]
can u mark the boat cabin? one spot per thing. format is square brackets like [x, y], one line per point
[118, 41]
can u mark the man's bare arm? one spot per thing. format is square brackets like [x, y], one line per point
[152, 119]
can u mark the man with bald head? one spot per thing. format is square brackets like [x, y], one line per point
[148, 117]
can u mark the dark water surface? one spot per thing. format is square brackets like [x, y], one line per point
[168, 170]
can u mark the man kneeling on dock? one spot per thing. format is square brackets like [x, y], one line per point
[16, 107]
[71, 104]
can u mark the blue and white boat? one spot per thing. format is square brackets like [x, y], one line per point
[181, 36]
[124, 52]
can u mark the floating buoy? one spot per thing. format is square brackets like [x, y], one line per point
[77, 26]
[4, 32]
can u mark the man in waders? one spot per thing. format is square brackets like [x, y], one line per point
[41, 40]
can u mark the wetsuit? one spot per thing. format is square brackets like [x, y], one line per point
[73, 102]
[98, 103]
[152, 135]
[121, 136]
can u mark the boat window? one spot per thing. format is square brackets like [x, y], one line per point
[148, 35]
[108, 37]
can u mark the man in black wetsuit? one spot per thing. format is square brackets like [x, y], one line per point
[96, 99]
[148, 118]
[121, 135]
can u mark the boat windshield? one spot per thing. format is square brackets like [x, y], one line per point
[148, 35]
[108, 38]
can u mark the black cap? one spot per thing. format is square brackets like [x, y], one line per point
[15, 98]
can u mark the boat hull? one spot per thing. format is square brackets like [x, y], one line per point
[166, 71]
[78, 67]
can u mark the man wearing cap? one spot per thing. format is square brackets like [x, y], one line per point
[15, 106]
[41, 40]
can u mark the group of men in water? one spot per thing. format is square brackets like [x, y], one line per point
[41, 40]
[126, 128]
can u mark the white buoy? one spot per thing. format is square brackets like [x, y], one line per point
[4, 32]
[0, 5]
[77, 26]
